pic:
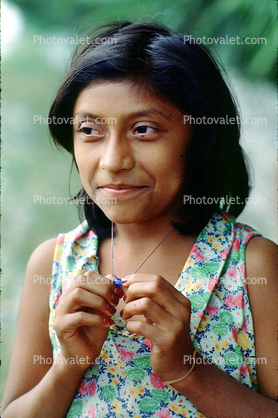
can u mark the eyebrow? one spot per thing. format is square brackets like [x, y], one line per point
[148, 112]
[85, 115]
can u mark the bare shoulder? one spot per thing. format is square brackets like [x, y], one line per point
[32, 339]
[39, 270]
[43, 255]
[262, 285]
[261, 267]
[261, 253]
[262, 274]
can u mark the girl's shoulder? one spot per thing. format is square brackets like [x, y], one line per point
[79, 234]
[229, 234]
[230, 225]
[262, 286]
[42, 256]
[261, 254]
[76, 242]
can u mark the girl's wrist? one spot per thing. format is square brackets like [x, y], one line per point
[72, 364]
[192, 362]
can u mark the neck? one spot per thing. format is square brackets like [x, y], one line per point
[144, 245]
[151, 231]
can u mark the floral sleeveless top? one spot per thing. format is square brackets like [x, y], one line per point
[121, 382]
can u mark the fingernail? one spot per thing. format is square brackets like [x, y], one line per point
[115, 299]
[124, 297]
[118, 292]
[118, 282]
[111, 309]
[121, 313]
[125, 279]
[108, 321]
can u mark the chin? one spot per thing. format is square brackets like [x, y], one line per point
[124, 216]
[116, 215]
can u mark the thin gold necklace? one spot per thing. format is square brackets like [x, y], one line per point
[117, 281]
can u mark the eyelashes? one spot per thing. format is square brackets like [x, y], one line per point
[85, 130]
[142, 131]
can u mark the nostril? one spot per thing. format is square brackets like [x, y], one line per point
[115, 163]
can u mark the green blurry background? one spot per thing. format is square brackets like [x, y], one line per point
[33, 169]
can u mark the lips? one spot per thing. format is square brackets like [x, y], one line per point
[120, 190]
[121, 186]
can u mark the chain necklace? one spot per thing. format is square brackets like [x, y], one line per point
[118, 281]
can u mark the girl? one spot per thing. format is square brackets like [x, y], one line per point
[152, 311]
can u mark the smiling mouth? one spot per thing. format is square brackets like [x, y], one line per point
[120, 190]
[121, 186]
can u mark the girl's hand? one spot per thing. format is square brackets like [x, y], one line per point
[83, 317]
[167, 324]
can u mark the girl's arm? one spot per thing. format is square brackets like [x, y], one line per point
[214, 393]
[35, 387]
[218, 395]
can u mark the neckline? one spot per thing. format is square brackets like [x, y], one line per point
[186, 261]
[119, 323]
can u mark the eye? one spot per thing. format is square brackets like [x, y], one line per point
[88, 131]
[145, 130]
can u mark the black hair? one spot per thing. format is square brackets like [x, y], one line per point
[185, 74]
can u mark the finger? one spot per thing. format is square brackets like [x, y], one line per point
[165, 333]
[81, 299]
[95, 284]
[159, 290]
[139, 278]
[70, 323]
[110, 277]
[151, 332]
[150, 309]
[108, 280]
[148, 321]
[87, 280]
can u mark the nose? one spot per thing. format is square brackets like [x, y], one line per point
[117, 154]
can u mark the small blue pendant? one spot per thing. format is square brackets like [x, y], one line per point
[118, 282]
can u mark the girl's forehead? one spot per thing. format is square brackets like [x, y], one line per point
[126, 88]
[125, 94]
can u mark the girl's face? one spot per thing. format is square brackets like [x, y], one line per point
[130, 150]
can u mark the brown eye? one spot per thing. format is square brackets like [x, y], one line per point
[88, 131]
[144, 129]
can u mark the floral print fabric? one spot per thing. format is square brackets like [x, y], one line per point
[121, 382]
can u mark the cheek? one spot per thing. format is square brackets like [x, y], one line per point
[172, 165]
[174, 173]
[84, 160]
[168, 173]
[86, 173]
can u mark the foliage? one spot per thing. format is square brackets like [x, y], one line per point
[218, 18]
